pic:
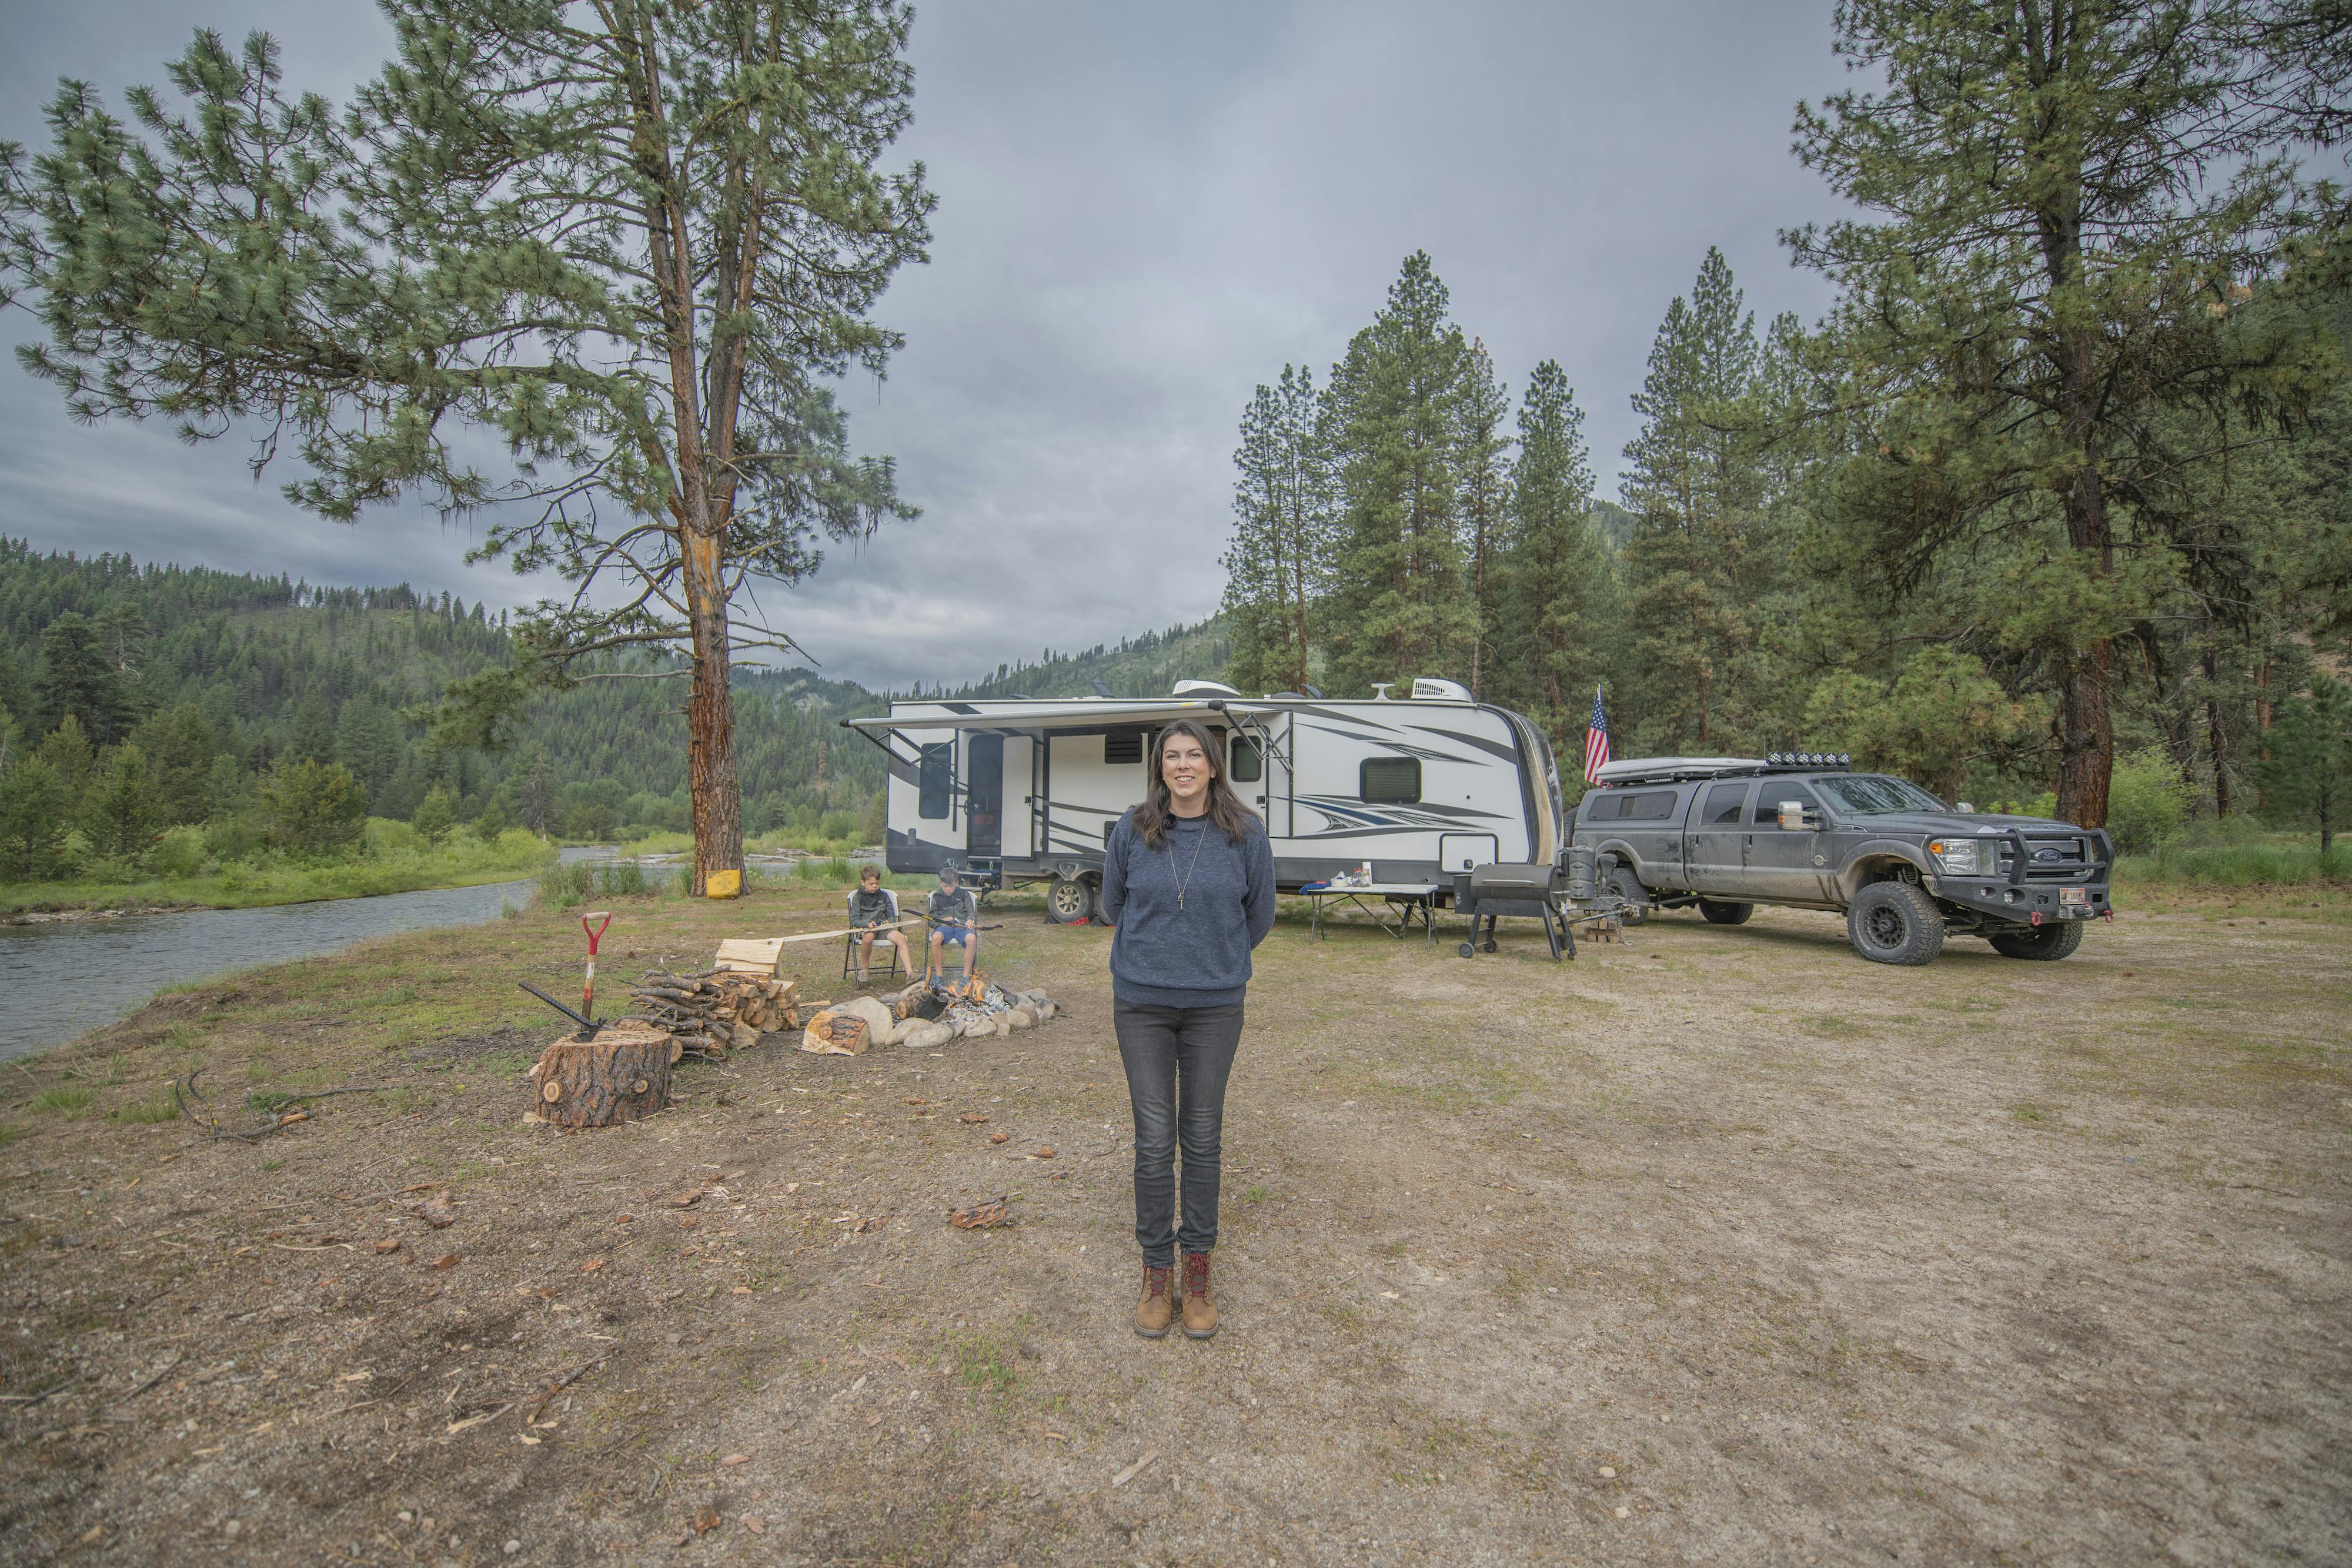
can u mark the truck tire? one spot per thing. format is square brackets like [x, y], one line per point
[1717, 913]
[2047, 943]
[1627, 886]
[1895, 923]
[1069, 899]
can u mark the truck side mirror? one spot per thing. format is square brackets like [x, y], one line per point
[1796, 816]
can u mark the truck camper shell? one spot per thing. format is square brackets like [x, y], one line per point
[1016, 789]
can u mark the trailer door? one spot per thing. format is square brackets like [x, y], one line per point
[1019, 817]
[1257, 767]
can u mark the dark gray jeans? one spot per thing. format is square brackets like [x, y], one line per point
[1177, 1061]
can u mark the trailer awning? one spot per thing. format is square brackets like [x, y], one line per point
[1069, 713]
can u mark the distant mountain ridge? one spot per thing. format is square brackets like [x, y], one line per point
[261, 668]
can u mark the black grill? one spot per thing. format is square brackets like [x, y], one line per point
[1501, 880]
[2049, 857]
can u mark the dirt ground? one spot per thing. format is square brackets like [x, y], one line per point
[1715, 1246]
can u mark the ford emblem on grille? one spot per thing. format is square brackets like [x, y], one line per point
[2044, 856]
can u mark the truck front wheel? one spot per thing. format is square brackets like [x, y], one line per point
[2049, 942]
[1895, 923]
[1069, 899]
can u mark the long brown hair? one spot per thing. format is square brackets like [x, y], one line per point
[1225, 808]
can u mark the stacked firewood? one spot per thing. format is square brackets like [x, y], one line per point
[716, 1011]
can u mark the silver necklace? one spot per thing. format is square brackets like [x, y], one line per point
[1189, 869]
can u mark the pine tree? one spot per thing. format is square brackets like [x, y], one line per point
[632, 243]
[2067, 204]
[78, 679]
[2308, 776]
[1557, 579]
[1482, 459]
[1278, 560]
[33, 820]
[1392, 423]
[1695, 488]
[119, 812]
[70, 754]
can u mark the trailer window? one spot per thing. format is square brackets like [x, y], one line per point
[1388, 780]
[1246, 762]
[1123, 746]
[935, 780]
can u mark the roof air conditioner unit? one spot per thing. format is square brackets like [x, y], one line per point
[1429, 689]
[1203, 689]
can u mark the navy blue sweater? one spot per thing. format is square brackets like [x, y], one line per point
[1197, 955]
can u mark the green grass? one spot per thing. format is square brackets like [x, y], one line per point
[70, 1100]
[157, 1107]
[10, 1132]
[2234, 859]
[393, 862]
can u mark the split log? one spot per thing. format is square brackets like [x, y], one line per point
[619, 1076]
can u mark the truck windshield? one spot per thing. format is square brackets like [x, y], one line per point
[1869, 794]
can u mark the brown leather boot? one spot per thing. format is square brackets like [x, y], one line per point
[1158, 1309]
[1200, 1306]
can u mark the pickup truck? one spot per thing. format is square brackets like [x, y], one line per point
[1726, 833]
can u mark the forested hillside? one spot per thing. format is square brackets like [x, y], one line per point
[189, 689]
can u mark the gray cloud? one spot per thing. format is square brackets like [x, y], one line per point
[1142, 215]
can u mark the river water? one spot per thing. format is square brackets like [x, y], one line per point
[66, 977]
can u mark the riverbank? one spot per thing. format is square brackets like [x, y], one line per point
[1716, 1244]
[386, 868]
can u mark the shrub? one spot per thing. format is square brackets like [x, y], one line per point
[2147, 800]
[313, 808]
[179, 853]
[564, 887]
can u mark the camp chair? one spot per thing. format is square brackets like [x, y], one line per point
[850, 943]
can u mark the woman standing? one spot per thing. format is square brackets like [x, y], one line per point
[1188, 881]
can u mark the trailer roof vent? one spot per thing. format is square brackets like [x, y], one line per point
[1203, 689]
[1429, 689]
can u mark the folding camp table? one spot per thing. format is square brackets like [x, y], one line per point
[1411, 900]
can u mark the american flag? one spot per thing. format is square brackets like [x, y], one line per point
[1596, 741]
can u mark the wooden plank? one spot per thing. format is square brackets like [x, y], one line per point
[749, 954]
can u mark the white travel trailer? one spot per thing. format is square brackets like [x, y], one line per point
[1424, 787]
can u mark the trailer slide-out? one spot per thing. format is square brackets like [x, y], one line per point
[1016, 790]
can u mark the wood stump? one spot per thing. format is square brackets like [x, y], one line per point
[619, 1076]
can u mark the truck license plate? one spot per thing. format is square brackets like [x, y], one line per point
[2073, 897]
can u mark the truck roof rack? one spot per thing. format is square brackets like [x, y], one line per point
[1670, 770]
[1666, 769]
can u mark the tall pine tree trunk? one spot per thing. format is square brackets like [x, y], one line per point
[712, 785]
[2216, 740]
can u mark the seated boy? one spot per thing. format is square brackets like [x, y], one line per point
[873, 912]
[954, 918]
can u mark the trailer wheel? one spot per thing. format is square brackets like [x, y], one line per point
[1714, 912]
[1627, 886]
[1467, 949]
[1069, 899]
[2047, 943]
[1895, 923]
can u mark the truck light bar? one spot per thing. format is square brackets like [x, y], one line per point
[1809, 759]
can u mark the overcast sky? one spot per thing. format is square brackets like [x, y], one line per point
[1143, 213]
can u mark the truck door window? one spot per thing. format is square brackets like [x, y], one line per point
[1723, 804]
[1770, 795]
[933, 777]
